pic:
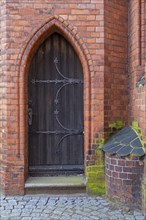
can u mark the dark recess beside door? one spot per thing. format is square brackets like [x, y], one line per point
[56, 120]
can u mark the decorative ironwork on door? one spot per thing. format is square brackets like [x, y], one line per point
[64, 82]
[55, 111]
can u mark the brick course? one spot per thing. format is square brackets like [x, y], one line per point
[124, 184]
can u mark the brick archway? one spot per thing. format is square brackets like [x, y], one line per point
[54, 24]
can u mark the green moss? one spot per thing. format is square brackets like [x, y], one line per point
[119, 124]
[96, 188]
[101, 141]
[96, 175]
[135, 124]
[137, 129]
[115, 127]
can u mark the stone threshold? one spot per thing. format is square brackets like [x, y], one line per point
[56, 185]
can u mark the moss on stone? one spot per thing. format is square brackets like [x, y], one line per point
[137, 129]
[96, 175]
[115, 127]
[101, 141]
[135, 124]
[119, 124]
[96, 188]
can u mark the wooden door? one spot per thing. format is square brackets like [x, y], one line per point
[56, 124]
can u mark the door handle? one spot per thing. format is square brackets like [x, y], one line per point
[30, 116]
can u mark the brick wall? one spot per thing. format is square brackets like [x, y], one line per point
[124, 180]
[3, 95]
[26, 23]
[116, 61]
[137, 66]
[98, 32]
[137, 96]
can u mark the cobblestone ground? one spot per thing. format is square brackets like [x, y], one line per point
[63, 208]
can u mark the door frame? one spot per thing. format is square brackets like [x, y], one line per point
[54, 24]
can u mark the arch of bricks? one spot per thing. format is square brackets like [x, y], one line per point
[54, 24]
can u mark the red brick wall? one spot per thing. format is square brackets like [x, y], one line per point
[124, 180]
[137, 58]
[98, 32]
[137, 66]
[81, 21]
[3, 94]
[116, 61]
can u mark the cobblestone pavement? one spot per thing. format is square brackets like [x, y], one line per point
[63, 208]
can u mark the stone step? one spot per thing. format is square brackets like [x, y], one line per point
[56, 185]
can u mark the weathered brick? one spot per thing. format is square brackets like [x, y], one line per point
[125, 186]
[99, 32]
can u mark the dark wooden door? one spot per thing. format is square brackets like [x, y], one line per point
[56, 142]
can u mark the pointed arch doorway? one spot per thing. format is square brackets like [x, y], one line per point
[56, 119]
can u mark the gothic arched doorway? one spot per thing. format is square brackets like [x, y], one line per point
[56, 119]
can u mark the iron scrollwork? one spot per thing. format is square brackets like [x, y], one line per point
[66, 132]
